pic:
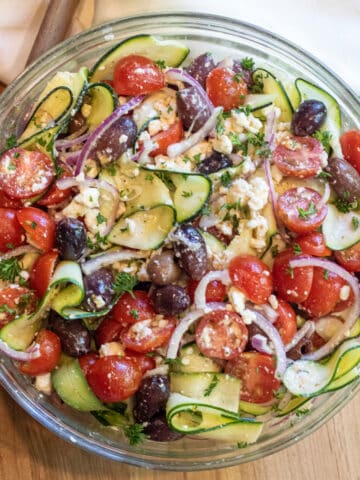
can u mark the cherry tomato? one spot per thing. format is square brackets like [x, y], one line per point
[147, 335]
[163, 139]
[221, 334]
[108, 331]
[134, 307]
[286, 321]
[252, 277]
[349, 258]
[226, 88]
[25, 174]
[39, 226]
[55, 196]
[11, 233]
[144, 361]
[215, 291]
[135, 75]
[42, 272]
[113, 378]
[300, 209]
[50, 351]
[350, 146]
[291, 284]
[8, 202]
[256, 372]
[15, 301]
[312, 243]
[86, 361]
[301, 157]
[324, 293]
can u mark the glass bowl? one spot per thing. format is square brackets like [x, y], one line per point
[201, 32]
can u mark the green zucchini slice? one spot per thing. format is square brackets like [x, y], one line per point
[338, 229]
[191, 194]
[103, 102]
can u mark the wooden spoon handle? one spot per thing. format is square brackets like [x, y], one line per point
[53, 27]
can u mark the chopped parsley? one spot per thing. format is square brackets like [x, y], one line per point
[297, 249]
[324, 138]
[16, 155]
[100, 219]
[245, 109]
[161, 64]
[305, 214]
[9, 269]
[149, 177]
[197, 158]
[111, 169]
[258, 85]
[134, 313]
[186, 194]
[324, 175]
[238, 77]
[220, 125]
[242, 444]
[124, 282]
[225, 179]
[135, 433]
[173, 361]
[11, 166]
[344, 206]
[248, 63]
[290, 271]
[301, 412]
[326, 274]
[355, 223]
[212, 385]
[11, 141]
[274, 251]
[33, 225]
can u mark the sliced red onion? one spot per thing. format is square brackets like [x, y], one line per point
[179, 331]
[275, 339]
[200, 292]
[70, 142]
[259, 342]
[218, 306]
[178, 148]
[108, 258]
[177, 74]
[270, 128]
[16, 252]
[105, 125]
[305, 331]
[326, 195]
[269, 312]
[353, 312]
[30, 354]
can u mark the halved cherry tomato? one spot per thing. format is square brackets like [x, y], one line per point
[8, 202]
[300, 157]
[300, 209]
[11, 233]
[350, 146]
[86, 361]
[256, 372]
[226, 88]
[147, 335]
[136, 75]
[349, 258]
[39, 226]
[108, 331]
[163, 139]
[144, 361]
[291, 284]
[252, 277]
[221, 334]
[55, 195]
[312, 243]
[215, 291]
[132, 308]
[25, 174]
[50, 351]
[286, 321]
[113, 378]
[42, 272]
[15, 301]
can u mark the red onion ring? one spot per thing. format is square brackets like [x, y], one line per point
[305, 331]
[178, 74]
[326, 195]
[269, 134]
[16, 252]
[67, 142]
[268, 311]
[108, 258]
[30, 354]
[200, 292]
[259, 342]
[354, 310]
[179, 331]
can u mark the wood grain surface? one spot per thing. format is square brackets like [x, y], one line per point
[29, 452]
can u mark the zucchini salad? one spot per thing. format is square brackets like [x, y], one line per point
[180, 244]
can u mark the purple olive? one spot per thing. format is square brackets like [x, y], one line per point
[308, 118]
[70, 238]
[216, 161]
[99, 291]
[201, 67]
[151, 397]
[192, 109]
[170, 300]
[190, 249]
[75, 338]
[157, 429]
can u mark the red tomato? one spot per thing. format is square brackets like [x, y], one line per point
[350, 146]
[86, 361]
[11, 233]
[147, 335]
[215, 291]
[144, 361]
[114, 378]
[133, 308]
[312, 243]
[344, 304]
[303, 158]
[349, 258]
[256, 372]
[324, 293]
[135, 75]
[108, 331]
[221, 334]
[226, 88]
[55, 195]
[291, 284]
[286, 321]
[8, 202]
[298, 209]
[50, 351]
[25, 174]
[163, 139]
[15, 301]
[42, 272]
[39, 226]
[252, 277]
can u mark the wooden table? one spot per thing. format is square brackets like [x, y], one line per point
[29, 452]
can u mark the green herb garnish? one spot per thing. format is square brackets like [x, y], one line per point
[305, 214]
[9, 269]
[135, 433]
[124, 282]
[100, 219]
[248, 63]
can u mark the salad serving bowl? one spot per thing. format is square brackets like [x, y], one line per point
[201, 33]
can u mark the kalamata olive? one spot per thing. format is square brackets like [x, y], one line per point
[216, 161]
[308, 118]
[157, 429]
[192, 109]
[252, 331]
[300, 349]
[344, 179]
[74, 336]
[245, 72]
[116, 139]
[190, 249]
[201, 67]
[151, 397]
[162, 268]
[98, 290]
[170, 300]
[70, 238]
[76, 123]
